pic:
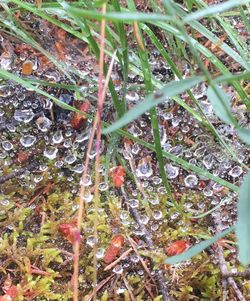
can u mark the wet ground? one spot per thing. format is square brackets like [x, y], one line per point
[42, 154]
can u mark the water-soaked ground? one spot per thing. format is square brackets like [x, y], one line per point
[43, 148]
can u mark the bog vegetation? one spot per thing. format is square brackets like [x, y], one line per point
[125, 133]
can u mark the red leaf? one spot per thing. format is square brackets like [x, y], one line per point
[70, 232]
[27, 68]
[117, 174]
[12, 291]
[118, 241]
[78, 120]
[114, 249]
[177, 247]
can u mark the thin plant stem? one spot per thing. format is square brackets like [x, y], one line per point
[98, 146]
[82, 190]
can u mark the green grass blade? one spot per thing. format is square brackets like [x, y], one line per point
[244, 134]
[214, 9]
[221, 104]
[243, 224]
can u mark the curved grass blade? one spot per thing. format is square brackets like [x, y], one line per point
[171, 89]
[198, 248]
[221, 104]
[214, 9]
[243, 225]
[244, 134]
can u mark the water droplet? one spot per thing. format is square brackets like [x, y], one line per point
[133, 203]
[103, 186]
[144, 168]
[11, 127]
[154, 227]
[208, 161]
[5, 202]
[156, 180]
[43, 123]
[70, 159]
[135, 148]
[143, 219]
[88, 197]
[100, 253]
[168, 115]
[24, 115]
[157, 214]
[91, 241]
[208, 191]
[38, 178]
[58, 164]
[172, 171]
[67, 143]
[235, 172]
[154, 201]
[78, 168]
[6, 145]
[118, 269]
[134, 258]
[50, 152]
[174, 216]
[191, 181]
[57, 137]
[27, 140]
[88, 181]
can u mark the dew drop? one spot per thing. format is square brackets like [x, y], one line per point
[191, 181]
[118, 269]
[172, 171]
[91, 241]
[133, 203]
[78, 168]
[50, 152]
[154, 201]
[6, 145]
[5, 202]
[43, 123]
[70, 159]
[27, 140]
[100, 253]
[144, 168]
[235, 172]
[24, 115]
[157, 214]
[103, 186]
[57, 137]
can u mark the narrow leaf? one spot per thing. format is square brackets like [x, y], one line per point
[244, 134]
[197, 248]
[214, 9]
[221, 104]
[243, 225]
[170, 90]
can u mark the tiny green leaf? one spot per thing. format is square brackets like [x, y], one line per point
[221, 104]
[170, 90]
[243, 225]
[197, 248]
